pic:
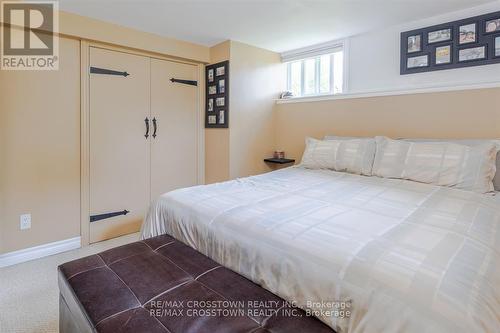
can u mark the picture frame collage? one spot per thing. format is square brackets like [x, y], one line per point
[217, 95]
[469, 42]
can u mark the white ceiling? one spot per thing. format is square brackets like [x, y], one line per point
[277, 25]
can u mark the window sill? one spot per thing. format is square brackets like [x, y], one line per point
[313, 98]
[319, 98]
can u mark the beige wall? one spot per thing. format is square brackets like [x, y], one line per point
[255, 83]
[40, 152]
[217, 139]
[458, 114]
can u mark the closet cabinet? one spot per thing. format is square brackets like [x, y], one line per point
[143, 137]
[173, 107]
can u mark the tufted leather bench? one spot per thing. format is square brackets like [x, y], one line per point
[143, 286]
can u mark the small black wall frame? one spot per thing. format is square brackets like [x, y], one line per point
[217, 95]
[485, 39]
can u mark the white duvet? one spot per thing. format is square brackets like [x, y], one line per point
[409, 257]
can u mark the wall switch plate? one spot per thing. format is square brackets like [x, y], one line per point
[25, 221]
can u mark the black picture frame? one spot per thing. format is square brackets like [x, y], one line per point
[408, 43]
[476, 30]
[496, 46]
[435, 58]
[497, 18]
[447, 28]
[473, 47]
[419, 56]
[218, 115]
[481, 39]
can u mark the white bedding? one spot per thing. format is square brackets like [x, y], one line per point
[410, 257]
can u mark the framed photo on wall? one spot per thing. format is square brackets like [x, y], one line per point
[493, 26]
[220, 101]
[471, 41]
[471, 54]
[467, 34]
[437, 36]
[217, 95]
[221, 116]
[221, 70]
[222, 86]
[420, 61]
[414, 43]
[443, 55]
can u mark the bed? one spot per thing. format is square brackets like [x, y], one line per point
[400, 255]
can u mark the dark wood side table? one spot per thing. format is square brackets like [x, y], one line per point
[279, 160]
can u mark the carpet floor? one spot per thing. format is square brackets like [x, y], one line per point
[29, 295]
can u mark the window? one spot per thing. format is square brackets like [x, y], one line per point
[315, 71]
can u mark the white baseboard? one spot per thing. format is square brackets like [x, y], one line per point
[16, 257]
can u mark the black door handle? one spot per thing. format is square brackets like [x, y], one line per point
[146, 121]
[154, 127]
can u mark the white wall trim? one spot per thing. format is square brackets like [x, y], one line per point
[40, 251]
[388, 93]
[313, 50]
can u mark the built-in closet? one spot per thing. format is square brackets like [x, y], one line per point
[143, 136]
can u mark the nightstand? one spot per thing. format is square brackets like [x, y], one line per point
[279, 160]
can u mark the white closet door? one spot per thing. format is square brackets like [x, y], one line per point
[174, 157]
[119, 150]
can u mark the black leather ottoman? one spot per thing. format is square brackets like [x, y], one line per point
[162, 285]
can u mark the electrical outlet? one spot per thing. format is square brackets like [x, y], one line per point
[25, 221]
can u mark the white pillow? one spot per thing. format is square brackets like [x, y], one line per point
[354, 156]
[471, 143]
[439, 163]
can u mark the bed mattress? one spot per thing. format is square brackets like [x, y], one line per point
[400, 255]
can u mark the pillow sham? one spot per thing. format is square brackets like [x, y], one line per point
[471, 143]
[441, 163]
[353, 156]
